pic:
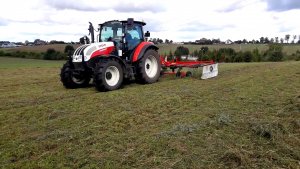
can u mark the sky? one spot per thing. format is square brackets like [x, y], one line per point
[185, 20]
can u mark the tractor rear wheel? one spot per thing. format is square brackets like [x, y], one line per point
[148, 68]
[108, 75]
[72, 79]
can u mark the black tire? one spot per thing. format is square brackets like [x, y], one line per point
[108, 75]
[188, 74]
[71, 80]
[148, 68]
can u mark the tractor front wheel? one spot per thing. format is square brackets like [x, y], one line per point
[148, 68]
[72, 79]
[108, 75]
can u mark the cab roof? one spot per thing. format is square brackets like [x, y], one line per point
[125, 21]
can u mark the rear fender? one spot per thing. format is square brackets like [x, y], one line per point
[141, 49]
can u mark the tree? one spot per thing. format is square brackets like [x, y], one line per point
[167, 41]
[274, 53]
[196, 53]
[276, 40]
[216, 41]
[294, 38]
[238, 41]
[261, 40]
[154, 40]
[272, 40]
[287, 38]
[170, 56]
[159, 40]
[266, 40]
[248, 56]
[256, 55]
[52, 54]
[69, 50]
[26, 42]
[204, 49]
[84, 40]
[281, 40]
[181, 50]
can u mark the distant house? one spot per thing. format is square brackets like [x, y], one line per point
[178, 43]
[228, 42]
[189, 57]
[8, 45]
[39, 42]
[4, 42]
[202, 41]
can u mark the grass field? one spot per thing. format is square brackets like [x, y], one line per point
[247, 117]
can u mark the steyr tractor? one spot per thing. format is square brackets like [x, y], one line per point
[121, 53]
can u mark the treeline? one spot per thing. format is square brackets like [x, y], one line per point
[274, 53]
[50, 54]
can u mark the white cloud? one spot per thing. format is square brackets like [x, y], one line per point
[282, 5]
[187, 20]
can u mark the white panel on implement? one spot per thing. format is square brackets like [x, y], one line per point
[209, 71]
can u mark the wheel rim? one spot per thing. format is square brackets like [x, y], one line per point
[151, 66]
[112, 75]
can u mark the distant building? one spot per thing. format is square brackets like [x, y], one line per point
[189, 57]
[4, 42]
[39, 42]
[228, 42]
[8, 45]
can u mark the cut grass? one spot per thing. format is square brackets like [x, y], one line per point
[247, 117]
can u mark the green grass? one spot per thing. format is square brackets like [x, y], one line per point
[247, 117]
[13, 63]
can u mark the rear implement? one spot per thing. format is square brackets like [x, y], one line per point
[210, 68]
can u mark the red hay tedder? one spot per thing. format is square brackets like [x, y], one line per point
[210, 68]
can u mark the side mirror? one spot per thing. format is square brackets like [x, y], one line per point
[147, 34]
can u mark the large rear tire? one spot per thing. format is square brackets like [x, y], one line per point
[108, 75]
[72, 80]
[148, 68]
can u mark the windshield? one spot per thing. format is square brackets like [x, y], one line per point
[133, 36]
[111, 31]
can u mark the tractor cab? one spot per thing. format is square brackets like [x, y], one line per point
[126, 35]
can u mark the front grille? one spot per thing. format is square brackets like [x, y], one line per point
[78, 65]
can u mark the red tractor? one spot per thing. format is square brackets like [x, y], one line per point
[120, 53]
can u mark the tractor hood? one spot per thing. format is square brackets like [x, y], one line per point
[89, 51]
